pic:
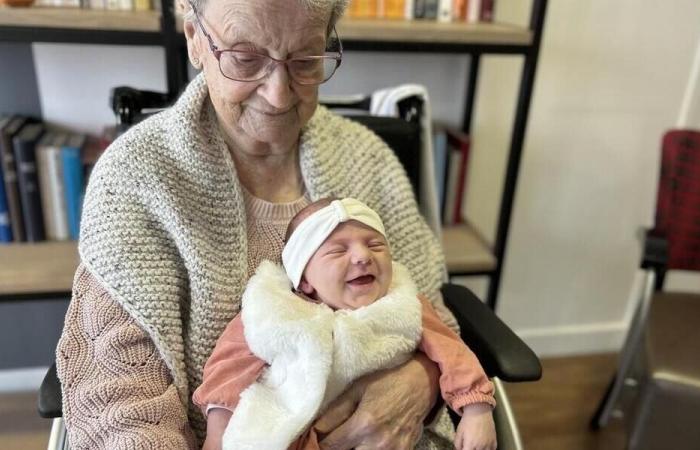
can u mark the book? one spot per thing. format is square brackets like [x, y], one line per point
[431, 9]
[7, 160]
[444, 12]
[363, 9]
[24, 146]
[5, 228]
[409, 8]
[73, 181]
[142, 5]
[394, 9]
[458, 145]
[440, 164]
[473, 10]
[50, 167]
[449, 209]
[419, 9]
[486, 14]
[459, 10]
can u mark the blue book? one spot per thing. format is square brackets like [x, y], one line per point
[5, 228]
[73, 182]
[440, 166]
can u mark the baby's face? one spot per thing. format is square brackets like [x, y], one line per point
[352, 268]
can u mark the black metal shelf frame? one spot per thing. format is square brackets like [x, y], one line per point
[176, 73]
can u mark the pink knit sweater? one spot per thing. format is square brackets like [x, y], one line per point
[117, 391]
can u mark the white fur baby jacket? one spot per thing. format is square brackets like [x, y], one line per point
[313, 353]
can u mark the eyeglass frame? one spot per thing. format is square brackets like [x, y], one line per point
[217, 54]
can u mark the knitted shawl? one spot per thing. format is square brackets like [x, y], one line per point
[314, 353]
[164, 227]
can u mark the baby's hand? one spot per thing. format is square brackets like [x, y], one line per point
[476, 430]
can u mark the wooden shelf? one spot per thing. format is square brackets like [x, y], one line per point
[428, 31]
[49, 267]
[46, 267]
[81, 19]
[465, 251]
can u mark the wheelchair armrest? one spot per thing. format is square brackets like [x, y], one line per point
[501, 352]
[50, 401]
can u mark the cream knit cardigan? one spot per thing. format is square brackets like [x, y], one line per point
[164, 228]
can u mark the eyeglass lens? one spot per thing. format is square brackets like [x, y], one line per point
[248, 66]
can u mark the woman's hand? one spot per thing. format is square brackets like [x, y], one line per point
[383, 410]
[476, 430]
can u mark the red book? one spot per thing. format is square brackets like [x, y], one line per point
[458, 144]
[486, 13]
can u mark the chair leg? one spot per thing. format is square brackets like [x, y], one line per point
[595, 423]
[506, 426]
[58, 439]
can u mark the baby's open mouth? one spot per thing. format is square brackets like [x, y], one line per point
[364, 279]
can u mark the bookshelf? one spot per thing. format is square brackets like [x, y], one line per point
[49, 267]
[80, 19]
[41, 268]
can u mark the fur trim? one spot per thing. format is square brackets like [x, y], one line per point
[314, 353]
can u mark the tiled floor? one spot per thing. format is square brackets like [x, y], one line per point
[552, 414]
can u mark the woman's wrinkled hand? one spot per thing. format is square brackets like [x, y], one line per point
[383, 410]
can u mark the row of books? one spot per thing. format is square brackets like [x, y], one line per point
[451, 162]
[42, 180]
[112, 5]
[441, 10]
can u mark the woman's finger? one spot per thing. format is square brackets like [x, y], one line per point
[347, 436]
[338, 412]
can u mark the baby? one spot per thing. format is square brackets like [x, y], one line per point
[353, 311]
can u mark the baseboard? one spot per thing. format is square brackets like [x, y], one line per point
[21, 380]
[575, 339]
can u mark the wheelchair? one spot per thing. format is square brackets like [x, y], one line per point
[504, 356]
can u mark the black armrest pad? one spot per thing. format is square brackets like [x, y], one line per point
[501, 352]
[49, 404]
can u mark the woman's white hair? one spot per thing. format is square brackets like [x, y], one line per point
[336, 8]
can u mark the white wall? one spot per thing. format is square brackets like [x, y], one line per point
[610, 81]
[75, 80]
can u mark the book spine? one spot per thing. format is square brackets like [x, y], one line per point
[419, 9]
[473, 11]
[440, 166]
[73, 185]
[486, 10]
[28, 182]
[459, 10]
[5, 228]
[52, 195]
[431, 9]
[444, 13]
[409, 9]
[14, 207]
[142, 5]
[394, 9]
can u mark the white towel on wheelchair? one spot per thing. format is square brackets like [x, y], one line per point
[385, 102]
[314, 353]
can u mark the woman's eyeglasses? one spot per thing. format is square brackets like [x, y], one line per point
[241, 65]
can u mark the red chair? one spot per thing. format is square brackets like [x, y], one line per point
[656, 389]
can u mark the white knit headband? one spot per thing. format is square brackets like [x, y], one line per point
[316, 228]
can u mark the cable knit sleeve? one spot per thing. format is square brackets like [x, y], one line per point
[117, 391]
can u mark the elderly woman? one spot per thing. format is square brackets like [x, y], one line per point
[182, 208]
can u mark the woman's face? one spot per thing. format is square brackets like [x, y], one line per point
[261, 117]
